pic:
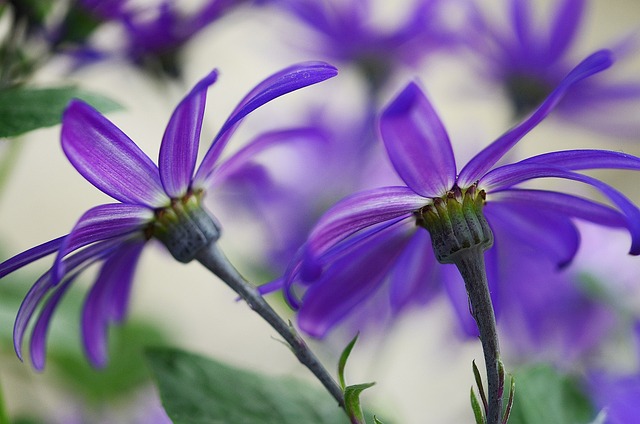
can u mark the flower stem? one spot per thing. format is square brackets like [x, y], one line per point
[215, 261]
[472, 268]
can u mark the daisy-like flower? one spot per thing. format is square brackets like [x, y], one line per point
[376, 238]
[529, 58]
[161, 201]
[347, 33]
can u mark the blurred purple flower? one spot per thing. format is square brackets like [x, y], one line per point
[372, 239]
[348, 34]
[161, 202]
[617, 396]
[529, 59]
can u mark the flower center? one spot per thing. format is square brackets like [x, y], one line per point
[184, 227]
[526, 93]
[456, 223]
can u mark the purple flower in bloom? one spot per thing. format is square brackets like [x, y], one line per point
[373, 239]
[529, 59]
[153, 201]
[347, 33]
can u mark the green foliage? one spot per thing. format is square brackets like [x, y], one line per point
[197, 390]
[25, 109]
[546, 396]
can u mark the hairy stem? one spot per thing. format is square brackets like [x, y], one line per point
[472, 268]
[215, 261]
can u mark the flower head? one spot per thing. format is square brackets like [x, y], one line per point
[376, 238]
[153, 201]
[529, 57]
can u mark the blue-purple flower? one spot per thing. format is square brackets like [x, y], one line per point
[153, 201]
[374, 239]
[528, 57]
[347, 33]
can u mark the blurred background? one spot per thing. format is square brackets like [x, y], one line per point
[420, 362]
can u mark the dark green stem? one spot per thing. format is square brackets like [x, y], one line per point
[215, 261]
[472, 268]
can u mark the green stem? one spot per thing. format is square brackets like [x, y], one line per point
[215, 261]
[472, 268]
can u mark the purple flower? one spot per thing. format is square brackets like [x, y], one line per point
[617, 396]
[373, 239]
[346, 33]
[529, 59]
[161, 202]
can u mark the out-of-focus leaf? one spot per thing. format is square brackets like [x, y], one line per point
[24, 109]
[197, 390]
[546, 396]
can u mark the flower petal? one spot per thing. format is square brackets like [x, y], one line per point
[283, 82]
[39, 334]
[565, 25]
[412, 278]
[107, 299]
[489, 156]
[359, 211]
[349, 282]
[586, 159]
[75, 264]
[31, 255]
[100, 223]
[179, 148]
[417, 143]
[548, 232]
[108, 159]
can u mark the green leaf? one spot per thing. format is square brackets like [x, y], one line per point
[343, 361]
[546, 396]
[477, 410]
[197, 390]
[24, 109]
[352, 401]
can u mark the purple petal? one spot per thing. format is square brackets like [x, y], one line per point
[75, 264]
[412, 278]
[586, 159]
[349, 282]
[565, 27]
[108, 299]
[28, 256]
[39, 334]
[418, 144]
[562, 203]
[488, 157]
[549, 232]
[521, 21]
[288, 80]
[100, 223]
[108, 159]
[179, 147]
[260, 144]
[359, 211]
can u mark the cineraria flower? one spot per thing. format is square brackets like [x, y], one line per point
[375, 238]
[162, 202]
[347, 34]
[529, 59]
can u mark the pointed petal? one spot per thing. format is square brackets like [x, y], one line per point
[288, 80]
[359, 211]
[107, 300]
[565, 26]
[31, 255]
[551, 233]
[488, 157]
[418, 144]
[40, 329]
[100, 223]
[349, 282]
[75, 264]
[576, 160]
[412, 278]
[521, 21]
[108, 159]
[179, 147]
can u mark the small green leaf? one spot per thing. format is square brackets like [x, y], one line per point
[197, 390]
[343, 361]
[547, 396]
[352, 401]
[25, 109]
[376, 420]
[477, 409]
